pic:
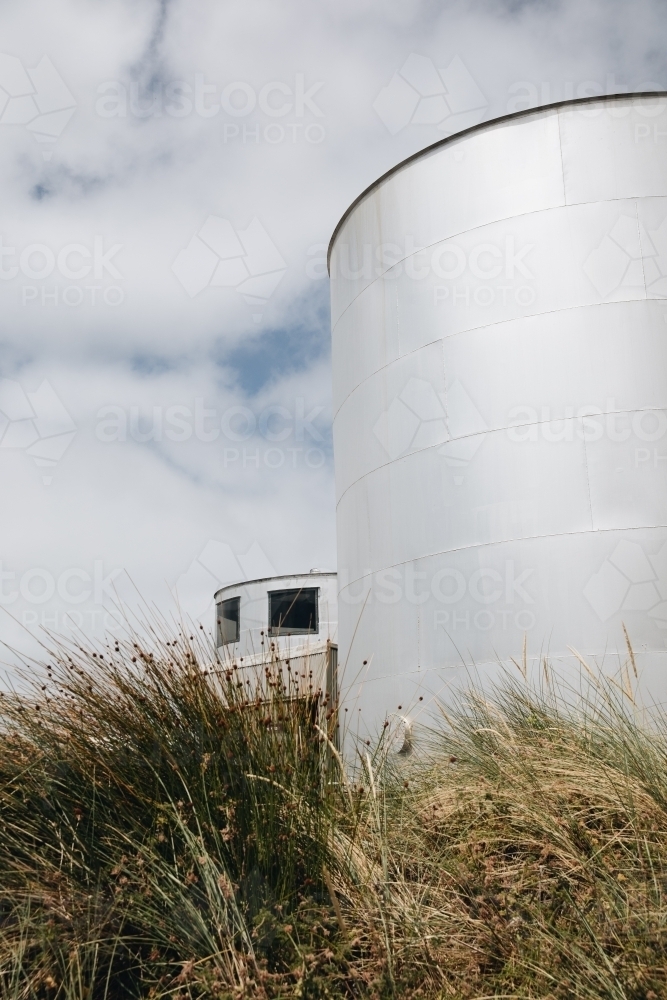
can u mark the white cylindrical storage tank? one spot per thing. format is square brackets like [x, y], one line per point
[499, 315]
[294, 613]
[288, 622]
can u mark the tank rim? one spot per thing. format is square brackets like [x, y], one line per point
[572, 102]
[268, 579]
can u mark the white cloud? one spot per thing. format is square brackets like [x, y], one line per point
[123, 194]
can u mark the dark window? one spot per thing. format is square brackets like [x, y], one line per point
[229, 616]
[293, 611]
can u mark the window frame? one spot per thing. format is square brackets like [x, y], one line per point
[296, 591]
[219, 617]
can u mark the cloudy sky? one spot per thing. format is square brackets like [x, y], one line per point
[170, 175]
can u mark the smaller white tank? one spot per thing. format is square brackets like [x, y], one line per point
[297, 614]
[285, 621]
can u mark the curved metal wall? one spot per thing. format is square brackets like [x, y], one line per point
[254, 614]
[499, 325]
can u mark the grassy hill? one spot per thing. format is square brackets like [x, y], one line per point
[172, 830]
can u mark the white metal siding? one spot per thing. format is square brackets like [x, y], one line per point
[499, 312]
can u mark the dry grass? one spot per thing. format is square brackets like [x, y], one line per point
[527, 856]
[169, 830]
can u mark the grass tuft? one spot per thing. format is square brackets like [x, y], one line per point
[175, 826]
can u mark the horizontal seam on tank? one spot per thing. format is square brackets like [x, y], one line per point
[555, 107]
[462, 232]
[549, 312]
[280, 576]
[496, 430]
[478, 664]
[506, 218]
[488, 326]
[502, 541]
[462, 665]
